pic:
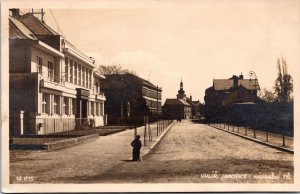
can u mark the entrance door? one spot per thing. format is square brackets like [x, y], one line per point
[84, 108]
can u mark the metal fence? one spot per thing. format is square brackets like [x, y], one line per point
[262, 135]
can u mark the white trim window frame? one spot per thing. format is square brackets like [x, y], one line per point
[39, 64]
[66, 69]
[56, 104]
[44, 103]
[51, 71]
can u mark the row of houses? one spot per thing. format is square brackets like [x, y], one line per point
[222, 94]
[182, 107]
[54, 87]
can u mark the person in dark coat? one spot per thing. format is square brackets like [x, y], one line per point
[136, 144]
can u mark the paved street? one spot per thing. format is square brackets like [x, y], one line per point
[187, 153]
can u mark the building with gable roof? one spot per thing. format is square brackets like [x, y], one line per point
[228, 91]
[53, 86]
[178, 108]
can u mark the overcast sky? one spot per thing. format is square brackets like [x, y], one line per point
[197, 41]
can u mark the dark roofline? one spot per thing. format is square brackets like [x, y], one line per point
[53, 32]
[143, 81]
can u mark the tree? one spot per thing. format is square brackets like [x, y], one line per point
[268, 95]
[113, 69]
[284, 82]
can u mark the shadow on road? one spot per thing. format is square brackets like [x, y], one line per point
[128, 161]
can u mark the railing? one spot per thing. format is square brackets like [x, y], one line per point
[52, 77]
[262, 135]
[152, 129]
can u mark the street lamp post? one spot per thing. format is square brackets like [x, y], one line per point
[251, 74]
[157, 110]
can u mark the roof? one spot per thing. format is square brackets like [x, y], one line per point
[17, 30]
[243, 103]
[36, 26]
[250, 84]
[176, 102]
[222, 84]
[226, 84]
[41, 29]
[132, 76]
[147, 83]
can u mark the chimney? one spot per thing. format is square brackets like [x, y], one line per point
[15, 13]
[241, 76]
[235, 80]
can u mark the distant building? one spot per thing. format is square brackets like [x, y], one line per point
[197, 108]
[129, 98]
[178, 108]
[52, 84]
[228, 91]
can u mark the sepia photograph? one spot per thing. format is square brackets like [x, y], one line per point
[147, 96]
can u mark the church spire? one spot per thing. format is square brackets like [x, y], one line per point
[181, 84]
[181, 92]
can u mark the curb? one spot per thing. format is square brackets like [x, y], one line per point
[71, 142]
[257, 141]
[50, 146]
[157, 140]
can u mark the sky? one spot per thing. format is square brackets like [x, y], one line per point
[164, 41]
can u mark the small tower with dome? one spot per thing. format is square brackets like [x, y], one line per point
[181, 92]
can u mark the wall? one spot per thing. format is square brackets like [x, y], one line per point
[23, 89]
[19, 56]
[45, 56]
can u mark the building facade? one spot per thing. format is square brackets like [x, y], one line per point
[53, 85]
[129, 98]
[178, 108]
[228, 91]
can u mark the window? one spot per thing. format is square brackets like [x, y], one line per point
[97, 108]
[96, 87]
[86, 78]
[44, 103]
[66, 69]
[39, 64]
[90, 79]
[71, 71]
[92, 108]
[50, 71]
[83, 77]
[79, 75]
[74, 109]
[101, 108]
[75, 74]
[65, 105]
[56, 102]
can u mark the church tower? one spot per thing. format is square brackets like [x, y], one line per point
[181, 92]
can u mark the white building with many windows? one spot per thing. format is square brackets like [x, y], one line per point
[53, 86]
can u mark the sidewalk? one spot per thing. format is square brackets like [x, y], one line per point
[80, 161]
[149, 140]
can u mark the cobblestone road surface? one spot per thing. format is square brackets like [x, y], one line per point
[187, 153]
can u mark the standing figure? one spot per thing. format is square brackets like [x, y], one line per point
[136, 144]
